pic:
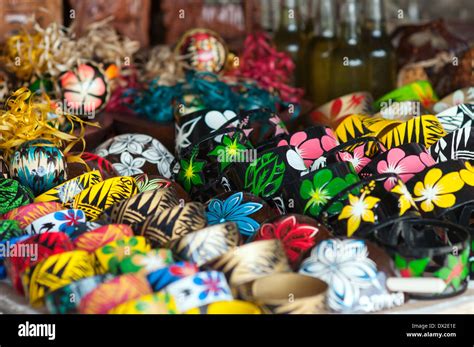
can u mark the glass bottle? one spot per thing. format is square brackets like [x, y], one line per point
[287, 37]
[382, 61]
[348, 59]
[319, 51]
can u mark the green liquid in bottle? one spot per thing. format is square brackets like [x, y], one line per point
[382, 60]
[318, 55]
[288, 37]
[349, 60]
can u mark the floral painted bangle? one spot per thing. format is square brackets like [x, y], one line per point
[287, 293]
[192, 127]
[244, 209]
[54, 272]
[146, 262]
[63, 220]
[405, 161]
[200, 289]
[9, 229]
[92, 240]
[297, 233]
[456, 117]
[355, 271]
[108, 257]
[432, 248]
[13, 195]
[334, 111]
[311, 143]
[207, 244]
[132, 154]
[456, 145]
[66, 299]
[266, 175]
[172, 223]
[114, 292]
[421, 91]
[358, 152]
[94, 200]
[460, 96]
[27, 214]
[381, 208]
[156, 303]
[137, 208]
[251, 261]
[65, 192]
[161, 278]
[442, 188]
[44, 245]
[227, 307]
[314, 190]
[260, 125]
[425, 130]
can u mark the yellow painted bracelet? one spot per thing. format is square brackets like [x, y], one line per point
[227, 307]
[108, 257]
[65, 192]
[156, 303]
[55, 272]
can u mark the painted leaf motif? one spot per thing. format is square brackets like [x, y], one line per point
[265, 176]
[418, 266]
[336, 107]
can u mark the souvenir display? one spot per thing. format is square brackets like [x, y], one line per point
[203, 176]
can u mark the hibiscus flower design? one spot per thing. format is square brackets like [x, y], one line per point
[358, 158]
[310, 149]
[128, 165]
[84, 88]
[234, 210]
[437, 189]
[358, 210]
[159, 155]
[132, 143]
[405, 166]
[70, 219]
[296, 237]
[346, 267]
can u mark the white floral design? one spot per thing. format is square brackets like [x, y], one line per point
[215, 119]
[128, 165]
[295, 161]
[458, 98]
[159, 155]
[102, 151]
[132, 143]
[183, 132]
[346, 267]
